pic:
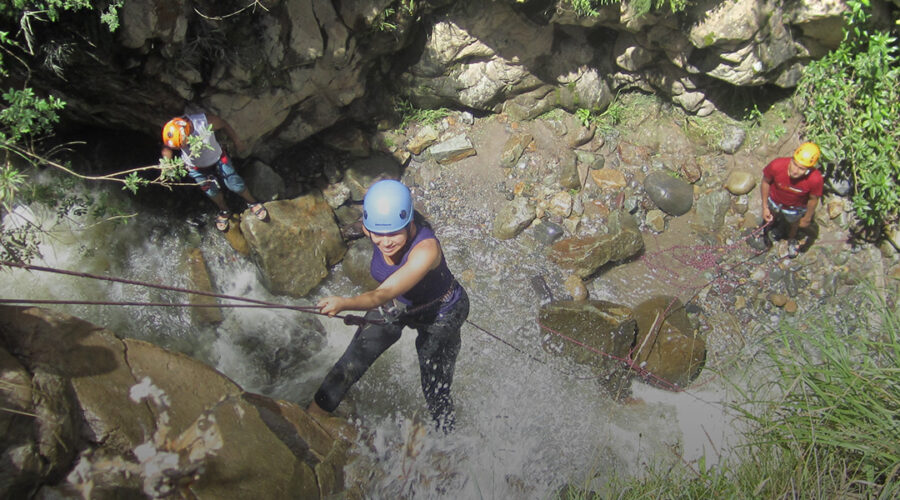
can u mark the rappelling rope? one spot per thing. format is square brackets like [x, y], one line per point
[348, 319]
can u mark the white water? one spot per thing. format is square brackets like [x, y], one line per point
[524, 428]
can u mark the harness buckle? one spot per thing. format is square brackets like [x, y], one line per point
[392, 311]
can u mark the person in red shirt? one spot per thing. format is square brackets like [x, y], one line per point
[790, 191]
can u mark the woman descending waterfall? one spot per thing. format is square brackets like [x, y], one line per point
[417, 290]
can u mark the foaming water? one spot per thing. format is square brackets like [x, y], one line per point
[527, 422]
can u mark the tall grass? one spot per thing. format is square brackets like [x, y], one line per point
[827, 428]
[840, 397]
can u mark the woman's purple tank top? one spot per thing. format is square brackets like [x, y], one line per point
[431, 288]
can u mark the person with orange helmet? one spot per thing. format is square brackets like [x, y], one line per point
[207, 163]
[790, 191]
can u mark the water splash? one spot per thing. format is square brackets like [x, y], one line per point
[524, 428]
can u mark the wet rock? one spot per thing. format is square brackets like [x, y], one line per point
[709, 213]
[350, 140]
[561, 204]
[834, 207]
[237, 443]
[336, 194]
[633, 155]
[235, 236]
[740, 204]
[200, 280]
[423, 138]
[671, 195]
[568, 175]
[656, 220]
[790, 306]
[513, 218]
[740, 182]
[732, 139]
[33, 448]
[540, 287]
[356, 264]
[575, 286]
[777, 299]
[263, 182]
[586, 254]
[296, 248]
[841, 187]
[607, 178]
[591, 333]
[452, 150]
[350, 214]
[666, 343]
[514, 148]
[363, 172]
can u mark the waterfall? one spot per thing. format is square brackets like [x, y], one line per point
[525, 427]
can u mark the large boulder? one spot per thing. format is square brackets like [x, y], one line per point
[671, 194]
[594, 333]
[297, 246]
[667, 346]
[585, 255]
[132, 419]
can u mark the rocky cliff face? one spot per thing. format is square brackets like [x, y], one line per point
[88, 414]
[284, 70]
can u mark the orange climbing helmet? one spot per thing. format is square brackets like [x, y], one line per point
[807, 155]
[176, 132]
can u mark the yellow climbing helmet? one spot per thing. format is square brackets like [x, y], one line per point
[176, 132]
[807, 155]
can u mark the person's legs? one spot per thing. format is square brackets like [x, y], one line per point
[210, 186]
[438, 346]
[368, 343]
[235, 183]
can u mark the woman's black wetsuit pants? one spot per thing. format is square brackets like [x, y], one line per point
[437, 345]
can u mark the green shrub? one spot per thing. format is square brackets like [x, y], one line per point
[851, 104]
[588, 8]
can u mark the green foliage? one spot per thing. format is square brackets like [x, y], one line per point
[27, 116]
[110, 16]
[840, 396]
[588, 8]
[11, 180]
[392, 16]
[605, 120]
[410, 113]
[48, 8]
[851, 103]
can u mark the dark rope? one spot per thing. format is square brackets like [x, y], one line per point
[348, 319]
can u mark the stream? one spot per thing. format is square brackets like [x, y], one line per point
[527, 422]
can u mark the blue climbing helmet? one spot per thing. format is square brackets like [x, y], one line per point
[387, 207]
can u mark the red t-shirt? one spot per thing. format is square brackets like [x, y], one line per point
[791, 192]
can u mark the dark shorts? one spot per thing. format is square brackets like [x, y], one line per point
[789, 214]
